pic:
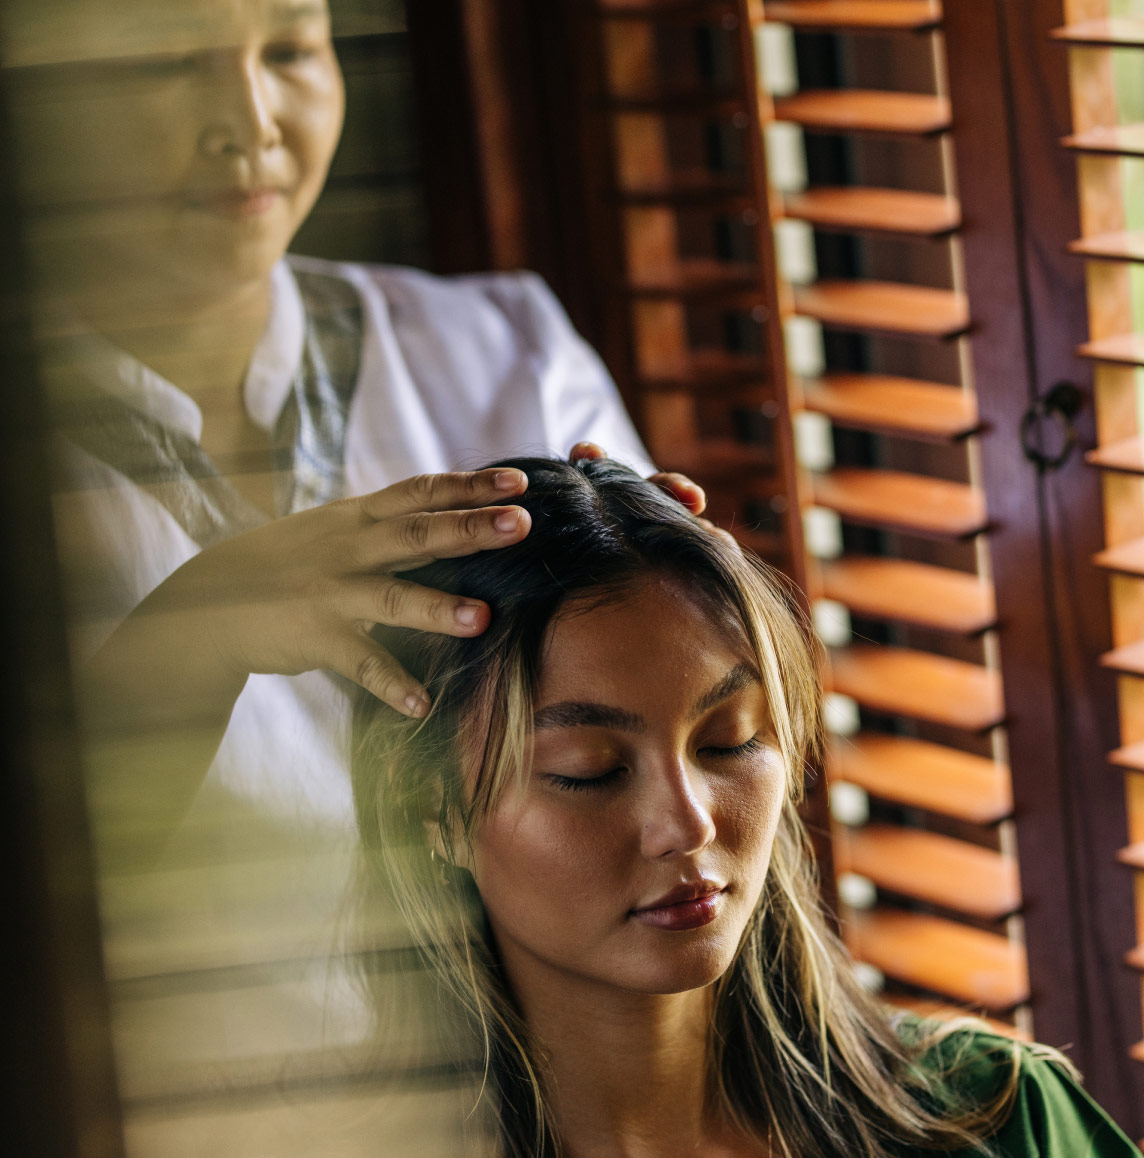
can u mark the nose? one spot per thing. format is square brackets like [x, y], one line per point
[677, 819]
[242, 116]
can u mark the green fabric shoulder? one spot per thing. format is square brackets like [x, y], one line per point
[1051, 1115]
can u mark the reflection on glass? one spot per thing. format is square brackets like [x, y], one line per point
[168, 153]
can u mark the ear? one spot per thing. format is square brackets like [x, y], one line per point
[438, 847]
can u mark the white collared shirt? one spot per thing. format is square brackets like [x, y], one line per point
[454, 372]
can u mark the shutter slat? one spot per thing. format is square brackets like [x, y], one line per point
[943, 956]
[1126, 558]
[713, 103]
[865, 111]
[875, 210]
[667, 9]
[919, 684]
[907, 502]
[766, 545]
[1132, 856]
[885, 308]
[884, 403]
[909, 592]
[855, 15]
[1125, 349]
[1111, 246]
[1128, 659]
[709, 369]
[1115, 140]
[1126, 455]
[918, 774]
[1130, 756]
[1122, 31]
[697, 279]
[713, 458]
[688, 186]
[930, 867]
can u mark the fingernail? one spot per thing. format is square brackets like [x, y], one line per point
[466, 614]
[508, 480]
[507, 520]
[417, 703]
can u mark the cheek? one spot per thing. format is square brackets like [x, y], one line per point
[533, 869]
[750, 809]
[317, 111]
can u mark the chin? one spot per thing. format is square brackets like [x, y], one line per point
[682, 969]
[231, 269]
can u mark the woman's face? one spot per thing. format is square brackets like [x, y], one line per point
[634, 852]
[180, 142]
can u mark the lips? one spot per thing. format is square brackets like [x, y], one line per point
[689, 906]
[237, 202]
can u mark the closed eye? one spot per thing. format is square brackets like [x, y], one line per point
[754, 744]
[287, 54]
[583, 783]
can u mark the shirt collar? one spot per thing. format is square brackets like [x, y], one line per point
[278, 354]
[269, 377]
[123, 376]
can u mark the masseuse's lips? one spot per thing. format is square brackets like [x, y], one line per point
[238, 202]
[689, 906]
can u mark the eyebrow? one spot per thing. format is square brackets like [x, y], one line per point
[578, 714]
[298, 10]
[585, 714]
[740, 676]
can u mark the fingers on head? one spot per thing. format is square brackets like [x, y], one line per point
[414, 540]
[586, 450]
[460, 490]
[371, 666]
[399, 603]
[682, 489]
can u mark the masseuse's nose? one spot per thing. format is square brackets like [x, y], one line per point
[676, 817]
[242, 117]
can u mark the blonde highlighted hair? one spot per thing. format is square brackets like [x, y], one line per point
[799, 1054]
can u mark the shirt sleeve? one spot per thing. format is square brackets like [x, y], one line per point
[579, 398]
[1053, 1117]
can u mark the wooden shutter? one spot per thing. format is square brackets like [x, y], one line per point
[928, 879]
[1108, 141]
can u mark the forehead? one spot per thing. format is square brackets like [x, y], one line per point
[39, 32]
[655, 634]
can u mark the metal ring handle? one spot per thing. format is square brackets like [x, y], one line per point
[1060, 404]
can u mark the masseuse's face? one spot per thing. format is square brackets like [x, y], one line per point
[635, 851]
[179, 139]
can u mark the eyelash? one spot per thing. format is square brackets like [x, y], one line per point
[588, 783]
[287, 54]
[754, 744]
[584, 783]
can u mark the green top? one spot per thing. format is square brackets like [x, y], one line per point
[1052, 1117]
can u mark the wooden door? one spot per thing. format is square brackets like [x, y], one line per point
[1010, 91]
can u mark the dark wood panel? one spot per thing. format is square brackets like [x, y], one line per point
[855, 15]
[1020, 210]
[59, 1097]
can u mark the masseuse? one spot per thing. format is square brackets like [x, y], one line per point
[219, 400]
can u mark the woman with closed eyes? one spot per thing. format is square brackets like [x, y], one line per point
[593, 837]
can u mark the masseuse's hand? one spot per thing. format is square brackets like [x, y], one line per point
[304, 591]
[299, 593]
[679, 486]
[686, 492]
